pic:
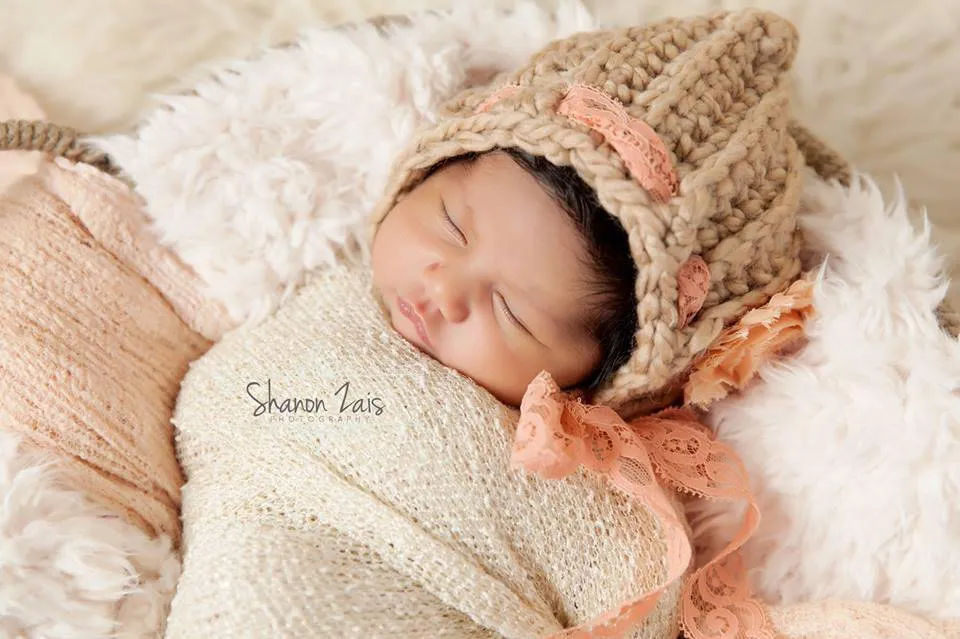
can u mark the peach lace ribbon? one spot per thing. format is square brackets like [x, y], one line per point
[557, 433]
[693, 284]
[641, 150]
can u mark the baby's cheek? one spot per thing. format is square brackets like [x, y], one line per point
[490, 362]
[389, 260]
[378, 258]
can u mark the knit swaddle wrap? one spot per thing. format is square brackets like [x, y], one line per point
[409, 523]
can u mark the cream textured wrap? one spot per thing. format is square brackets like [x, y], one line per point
[410, 523]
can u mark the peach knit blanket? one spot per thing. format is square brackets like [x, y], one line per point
[98, 324]
[92, 342]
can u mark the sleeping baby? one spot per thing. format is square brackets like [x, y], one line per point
[560, 252]
[501, 265]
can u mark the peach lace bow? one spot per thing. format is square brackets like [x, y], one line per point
[557, 433]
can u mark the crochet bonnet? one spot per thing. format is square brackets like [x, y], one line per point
[683, 129]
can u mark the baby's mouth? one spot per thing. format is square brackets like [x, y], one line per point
[407, 310]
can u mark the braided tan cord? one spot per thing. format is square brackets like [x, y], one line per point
[820, 157]
[949, 319]
[37, 135]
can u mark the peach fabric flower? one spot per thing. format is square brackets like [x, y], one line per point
[760, 336]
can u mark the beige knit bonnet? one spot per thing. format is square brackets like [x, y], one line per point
[683, 129]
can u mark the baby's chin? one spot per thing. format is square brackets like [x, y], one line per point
[423, 348]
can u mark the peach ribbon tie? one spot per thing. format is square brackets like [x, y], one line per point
[557, 433]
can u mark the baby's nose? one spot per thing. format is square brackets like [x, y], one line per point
[454, 309]
[447, 293]
[451, 305]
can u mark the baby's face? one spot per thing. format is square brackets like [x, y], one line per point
[483, 271]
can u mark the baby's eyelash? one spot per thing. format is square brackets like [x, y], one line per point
[452, 224]
[513, 318]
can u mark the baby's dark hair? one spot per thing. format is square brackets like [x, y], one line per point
[611, 316]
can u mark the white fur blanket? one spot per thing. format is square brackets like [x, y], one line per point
[853, 445]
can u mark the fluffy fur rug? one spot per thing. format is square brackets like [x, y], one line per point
[854, 445]
[69, 568]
